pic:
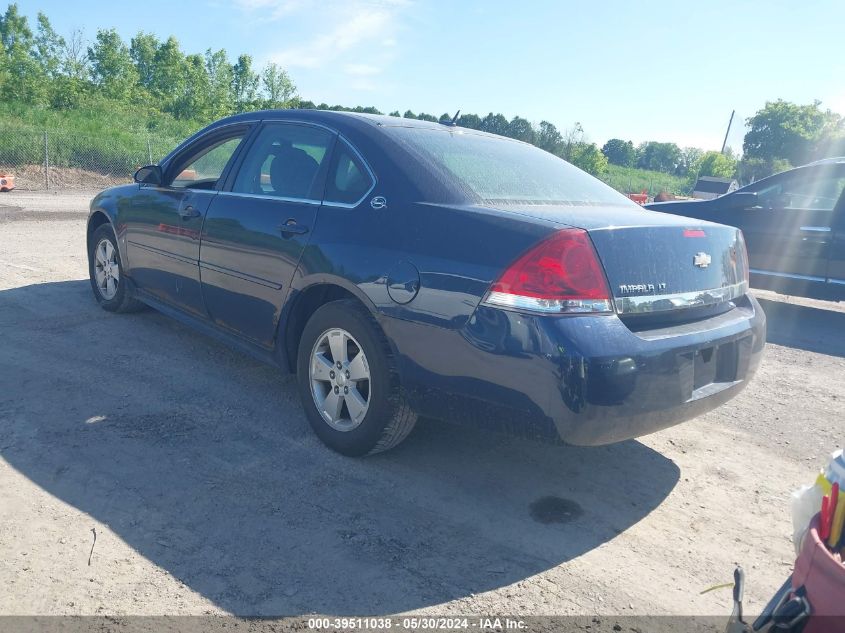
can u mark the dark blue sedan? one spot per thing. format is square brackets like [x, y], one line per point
[404, 268]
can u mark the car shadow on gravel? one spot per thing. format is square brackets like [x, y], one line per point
[201, 460]
[804, 327]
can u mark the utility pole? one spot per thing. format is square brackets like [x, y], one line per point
[728, 131]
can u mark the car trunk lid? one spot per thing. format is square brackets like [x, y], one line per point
[658, 264]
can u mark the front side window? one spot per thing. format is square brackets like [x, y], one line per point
[285, 161]
[203, 170]
[802, 190]
[349, 179]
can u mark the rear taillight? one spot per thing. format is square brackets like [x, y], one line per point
[561, 274]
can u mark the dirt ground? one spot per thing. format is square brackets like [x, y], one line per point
[195, 467]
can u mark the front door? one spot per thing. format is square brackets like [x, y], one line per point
[164, 222]
[256, 229]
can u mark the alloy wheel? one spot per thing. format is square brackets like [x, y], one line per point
[106, 269]
[340, 379]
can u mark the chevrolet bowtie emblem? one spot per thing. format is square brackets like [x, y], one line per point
[702, 260]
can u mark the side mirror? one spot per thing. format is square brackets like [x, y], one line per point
[742, 200]
[149, 175]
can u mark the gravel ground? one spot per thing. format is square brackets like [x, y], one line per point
[197, 471]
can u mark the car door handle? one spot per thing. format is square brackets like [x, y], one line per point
[292, 228]
[189, 211]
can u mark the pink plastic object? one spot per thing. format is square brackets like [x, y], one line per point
[823, 579]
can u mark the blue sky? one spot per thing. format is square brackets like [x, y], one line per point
[648, 70]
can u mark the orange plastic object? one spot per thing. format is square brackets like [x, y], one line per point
[639, 198]
[7, 182]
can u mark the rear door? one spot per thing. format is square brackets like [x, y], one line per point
[256, 229]
[790, 233]
[163, 222]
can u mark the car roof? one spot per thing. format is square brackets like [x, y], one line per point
[380, 120]
[346, 118]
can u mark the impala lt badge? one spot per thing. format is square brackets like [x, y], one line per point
[702, 260]
[643, 289]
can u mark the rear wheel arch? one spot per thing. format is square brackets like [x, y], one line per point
[307, 301]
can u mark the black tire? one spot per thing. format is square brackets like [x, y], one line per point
[389, 418]
[122, 301]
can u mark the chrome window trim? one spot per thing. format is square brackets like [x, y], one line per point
[678, 301]
[771, 273]
[373, 179]
[265, 196]
[837, 281]
[816, 229]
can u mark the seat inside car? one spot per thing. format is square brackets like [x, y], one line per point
[292, 172]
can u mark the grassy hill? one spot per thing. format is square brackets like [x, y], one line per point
[633, 180]
[104, 138]
[110, 138]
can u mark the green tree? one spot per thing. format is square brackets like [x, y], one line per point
[71, 85]
[245, 84]
[278, 88]
[22, 76]
[194, 102]
[409, 115]
[688, 165]
[422, 116]
[169, 77]
[797, 133]
[49, 46]
[590, 158]
[75, 62]
[571, 140]
[395, 113]
[220, 76]
[495, 124]
[521, 129]
[659, 156]
[111, 66]
[716, 164]
[548, 138]
[752, 169]
[470, 121]
[142, 49]
[620, 152]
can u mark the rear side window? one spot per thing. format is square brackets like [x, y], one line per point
[286, 161]
[349, 180]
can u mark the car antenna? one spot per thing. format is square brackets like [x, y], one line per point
[454, 121]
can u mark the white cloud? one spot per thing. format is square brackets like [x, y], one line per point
[271, 9]
[359, 33]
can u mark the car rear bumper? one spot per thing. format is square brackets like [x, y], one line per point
[588, 379]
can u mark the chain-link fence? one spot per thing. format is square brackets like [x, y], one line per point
[61, 160]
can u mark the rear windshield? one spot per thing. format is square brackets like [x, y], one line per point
[504, 171]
